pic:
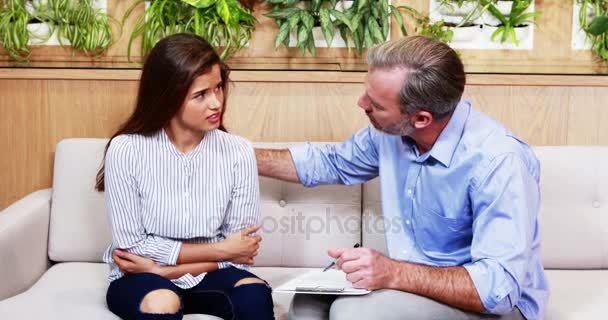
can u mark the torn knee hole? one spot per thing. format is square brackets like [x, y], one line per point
[249, 281]
[161, 301]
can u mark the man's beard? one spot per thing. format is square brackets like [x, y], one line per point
[402, 128]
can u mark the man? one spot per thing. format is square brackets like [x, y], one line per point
[464, 189]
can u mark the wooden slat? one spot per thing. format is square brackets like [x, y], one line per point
[304, 76]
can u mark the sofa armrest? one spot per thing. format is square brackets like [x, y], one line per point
[24, 229]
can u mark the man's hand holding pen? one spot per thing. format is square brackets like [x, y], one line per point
[366, 268]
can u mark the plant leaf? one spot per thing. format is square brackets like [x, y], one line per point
[307, 19]
[342, 18]
[374, 29]
[362, 4]
[200, 3]
[303, 35]
[223, 10]
[367, 39]
[399, 18]
[326, 26]
[282, 35]
[315, 6]
[293, 21]
[598, 26]
[282, 13]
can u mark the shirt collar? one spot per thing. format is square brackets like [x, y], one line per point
[445, 146]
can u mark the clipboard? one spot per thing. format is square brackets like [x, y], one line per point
[332, 282]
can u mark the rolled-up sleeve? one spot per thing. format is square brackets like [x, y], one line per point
[351, 162]
[505, 202]
[124, 207]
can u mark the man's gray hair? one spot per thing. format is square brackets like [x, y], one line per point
[435, 75]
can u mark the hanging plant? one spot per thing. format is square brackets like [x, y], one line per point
[224, 23]
[517, 17]
[597, 28]
[87, 29]
[14, 35]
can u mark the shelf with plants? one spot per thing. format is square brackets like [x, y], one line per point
[487, 24]
[226, 24]
[590, 26]
[357, 24]
[79, 24]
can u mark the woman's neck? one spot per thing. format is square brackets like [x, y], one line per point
[184, 140]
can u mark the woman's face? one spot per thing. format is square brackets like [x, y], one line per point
[202, 108]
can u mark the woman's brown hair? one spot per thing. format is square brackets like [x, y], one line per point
[171, 67]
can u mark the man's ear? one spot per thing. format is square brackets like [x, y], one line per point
[422, 119]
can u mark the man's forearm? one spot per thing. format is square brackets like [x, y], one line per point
[175, 272]
[450, 285]
[276, 164]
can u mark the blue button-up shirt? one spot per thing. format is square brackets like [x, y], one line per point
[471, 201]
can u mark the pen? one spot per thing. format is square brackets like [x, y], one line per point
[357, 245]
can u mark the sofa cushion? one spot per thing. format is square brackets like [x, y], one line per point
[77, 291]
[299, 224]
[79, 228]
[577, 294]
[574, 207]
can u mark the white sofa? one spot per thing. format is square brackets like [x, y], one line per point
[52, 240]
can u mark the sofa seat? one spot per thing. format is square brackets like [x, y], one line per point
[84, 297]
[577, 294]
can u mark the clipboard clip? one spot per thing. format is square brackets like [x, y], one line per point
[319, 289]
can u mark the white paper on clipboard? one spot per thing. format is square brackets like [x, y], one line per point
[318, 282]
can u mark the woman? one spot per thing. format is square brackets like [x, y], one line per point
[182, 196]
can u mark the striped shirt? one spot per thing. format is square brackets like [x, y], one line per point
[158, 198]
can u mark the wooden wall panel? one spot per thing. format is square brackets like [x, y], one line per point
[294, 112]
[38, 113]
[588, 116]
[24, 142]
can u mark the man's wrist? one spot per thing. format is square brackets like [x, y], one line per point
[400, 275]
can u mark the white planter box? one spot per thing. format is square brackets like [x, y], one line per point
[39, 32]
[452, 13]
[580, 41]
[505, 8]
[481, 38]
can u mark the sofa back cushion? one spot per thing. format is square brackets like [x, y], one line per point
[574, 207]
[573, 216]
[299, 224]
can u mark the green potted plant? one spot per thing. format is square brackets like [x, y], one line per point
[593, 18]
[517, 17]
[14, 35]
[224, 23]
[78, 22]
[360, 23]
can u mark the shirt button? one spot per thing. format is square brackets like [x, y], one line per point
[407, 221]
[596, 204]
[409, 191]
[282, 203]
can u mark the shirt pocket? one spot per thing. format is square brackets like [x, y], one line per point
[439, 236]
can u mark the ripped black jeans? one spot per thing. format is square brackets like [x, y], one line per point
[215, 295]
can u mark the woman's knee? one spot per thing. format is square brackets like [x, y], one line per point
[161, 301]
[250, 280]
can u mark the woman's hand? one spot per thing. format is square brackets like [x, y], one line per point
[132, 263]
[243, 246]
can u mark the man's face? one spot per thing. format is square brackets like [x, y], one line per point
[381, 101]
